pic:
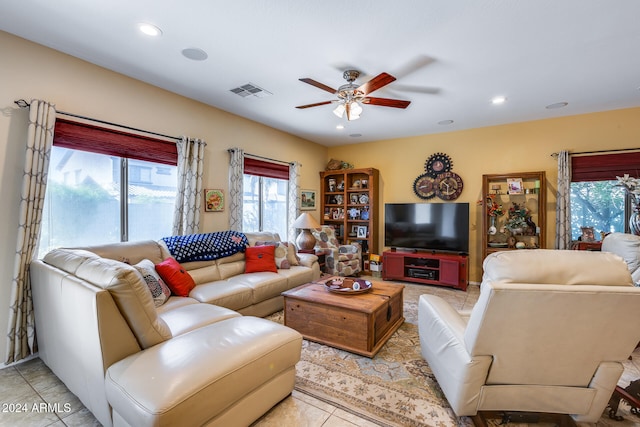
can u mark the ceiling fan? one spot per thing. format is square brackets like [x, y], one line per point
[351, 95]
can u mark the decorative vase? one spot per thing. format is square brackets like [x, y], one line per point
[492, 225]
[634, 221]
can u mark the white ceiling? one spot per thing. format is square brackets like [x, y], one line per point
[450, 57]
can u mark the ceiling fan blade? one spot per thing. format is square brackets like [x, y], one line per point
[376, 83]
[386, 102]
[314, 105]
[318, 85]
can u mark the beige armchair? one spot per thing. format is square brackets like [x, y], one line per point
[547, 335]
[340, 260]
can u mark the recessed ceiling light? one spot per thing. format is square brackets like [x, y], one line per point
[340, 127]
[150, 30]
[556, 105]
[496, 100]
[355, 135]
[195, 54]
[445, 122]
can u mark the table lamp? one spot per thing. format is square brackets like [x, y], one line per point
[305, 239]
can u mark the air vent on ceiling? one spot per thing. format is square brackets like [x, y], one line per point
[251, 90]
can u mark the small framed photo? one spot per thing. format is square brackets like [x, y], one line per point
[362, 232]
[515, 186]
[354, 230]
[354, 199]
[307, 200]
[213, 200]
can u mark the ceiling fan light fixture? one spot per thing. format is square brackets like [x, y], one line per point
[339, 110]
[354, 110]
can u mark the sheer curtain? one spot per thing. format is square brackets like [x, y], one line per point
[236, 172]
[294, 199]
[563, 204]
[21, 333]
[186, 219]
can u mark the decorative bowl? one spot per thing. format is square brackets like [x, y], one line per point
[347, 286]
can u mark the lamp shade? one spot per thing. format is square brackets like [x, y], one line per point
[306, 221]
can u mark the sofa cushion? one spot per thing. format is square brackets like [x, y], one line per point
[177, 278]
[126, 286]
[187, 318]
[206, 371]
[549, 266]
[160, 292]
[260, 258]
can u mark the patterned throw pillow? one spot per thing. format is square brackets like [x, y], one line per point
[159, 290]
[281, 253]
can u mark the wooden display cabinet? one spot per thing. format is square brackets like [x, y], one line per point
[349, 202]
[527, 190]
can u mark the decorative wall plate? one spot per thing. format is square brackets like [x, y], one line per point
[448, 185]
[438, 163]
[424, 187]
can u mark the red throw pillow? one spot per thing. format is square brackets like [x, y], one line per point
[260, 258]
[177, 278]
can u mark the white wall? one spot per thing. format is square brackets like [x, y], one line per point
[32, 71]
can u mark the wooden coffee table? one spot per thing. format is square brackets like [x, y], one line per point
[359, 323]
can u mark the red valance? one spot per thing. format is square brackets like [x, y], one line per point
[259, 167]
[603, 167]
[87, 137]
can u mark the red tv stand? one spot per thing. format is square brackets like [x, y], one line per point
[429, 268]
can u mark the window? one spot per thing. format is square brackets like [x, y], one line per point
[266, 186]
[595, 200]
[94, 196]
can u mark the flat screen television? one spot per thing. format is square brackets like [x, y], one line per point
[427, 226]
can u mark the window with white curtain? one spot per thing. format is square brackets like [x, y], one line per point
[100, 191]
[265, 198]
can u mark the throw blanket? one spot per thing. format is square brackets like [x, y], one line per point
[206, 247]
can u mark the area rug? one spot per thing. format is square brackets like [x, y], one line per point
[394, 388]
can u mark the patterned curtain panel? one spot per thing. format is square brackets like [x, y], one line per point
[236, 172]
[21, 334]
[294, 196]
[563, 205]
[186, 219]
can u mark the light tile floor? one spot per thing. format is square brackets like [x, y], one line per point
[31, 395]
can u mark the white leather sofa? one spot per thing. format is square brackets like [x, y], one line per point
[548, 334]
[192, 361]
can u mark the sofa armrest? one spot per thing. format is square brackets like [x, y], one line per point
[459, 374]
[307, 260]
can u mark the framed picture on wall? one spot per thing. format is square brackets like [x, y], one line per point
[307, 200]
[213, 200]
[514, 185]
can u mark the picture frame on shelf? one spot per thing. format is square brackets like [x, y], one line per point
[361, 232]
[213, 200]
[354, 198]
[514, 186]
[354, 230]
[307, 200]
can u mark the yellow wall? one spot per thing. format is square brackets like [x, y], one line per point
[32, 71]
[519, 147]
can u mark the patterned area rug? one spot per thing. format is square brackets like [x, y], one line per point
[395, 388]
